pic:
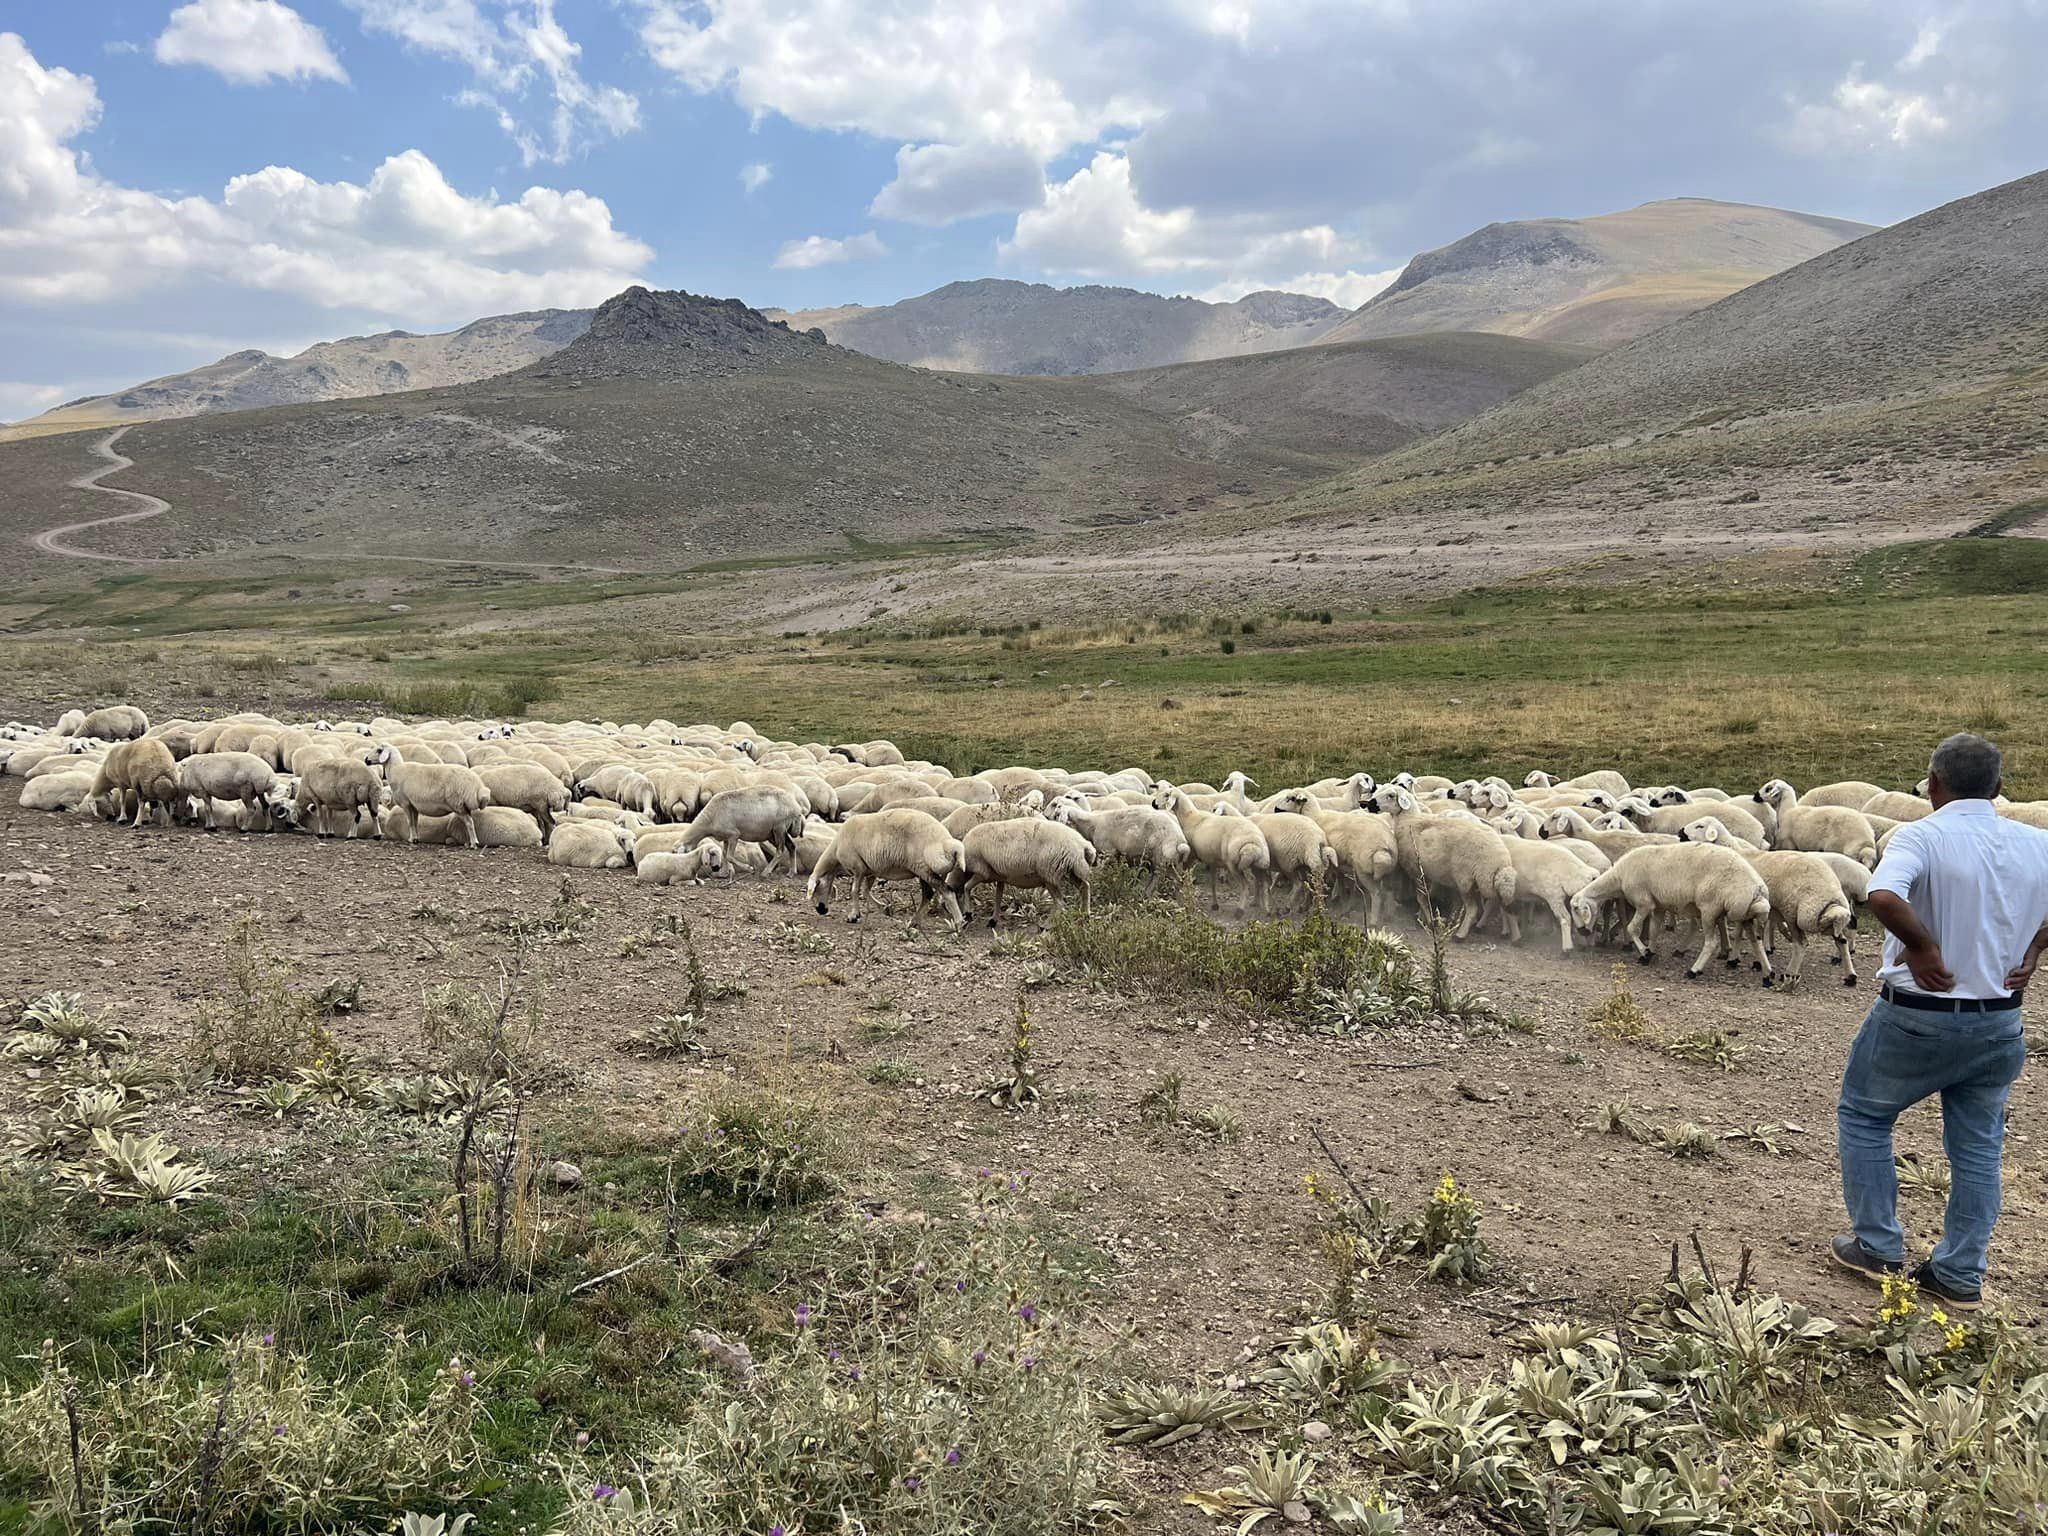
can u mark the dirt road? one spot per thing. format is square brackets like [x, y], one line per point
[52, 541]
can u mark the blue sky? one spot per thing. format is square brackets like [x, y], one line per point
[181, 178]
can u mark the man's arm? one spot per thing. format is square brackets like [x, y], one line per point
[2016, 980]
[1923, 955]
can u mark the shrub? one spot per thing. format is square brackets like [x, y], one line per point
[931, 1390]
[241, 1436]
[263, 1025]
[755, 1147]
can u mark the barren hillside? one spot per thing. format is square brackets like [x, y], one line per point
[997, 326]
[1601, 280]
[347, 369]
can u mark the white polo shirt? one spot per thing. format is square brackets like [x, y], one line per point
[1979, 881]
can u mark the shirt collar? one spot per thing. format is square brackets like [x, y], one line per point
[1967, 808]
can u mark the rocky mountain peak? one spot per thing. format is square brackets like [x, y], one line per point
[666, 333]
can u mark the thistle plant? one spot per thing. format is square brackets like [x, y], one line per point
[1711, 1047]
[1619, 1014]
[1020, 1089]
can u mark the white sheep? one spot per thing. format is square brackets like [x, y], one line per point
[1138, 835]
[139, 775]
[1030, 853]
[1225, 846]
[1715, 884]
[1546, 874]
[1896, 805]
[1363, 844]
[767, 814]
[1818, 828]
[891, 845]
[671, 868]
[58, 791]
[1612, 841]
[337, 786]
[1806, 898]
[1851, 793]
[243, 776]
[497, 826]
[590, 845]
[1467, 857]
[117, 722]
[527, 787]
[1675, 818]
[431, 789]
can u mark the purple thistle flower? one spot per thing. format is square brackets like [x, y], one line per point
[918, 1268]
[776, 1530]
[960, 1287]
[853, 1373]
[269, 1339]
[953, 1457]
[803, 1314]
[603, 1491]
[832, 1355]
[277, 1430]
[469, 1378]
[912, 1484]
[1028, 1313]
[980, 1357]
[1029, 1361]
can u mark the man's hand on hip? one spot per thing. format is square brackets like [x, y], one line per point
[1930, 972]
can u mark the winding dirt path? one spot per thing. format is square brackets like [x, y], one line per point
[51, 541]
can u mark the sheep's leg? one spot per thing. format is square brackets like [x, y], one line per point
[1470, 912]
[860, 891]
[1763, 958]
[1637, 921]
[995, 910]
[1845, 956]
[953, 912]
[729, 844]
[1564, 921]
[1728, 953]
[252, 808]
[1087, 899]
[1708, 949]
[469, 830]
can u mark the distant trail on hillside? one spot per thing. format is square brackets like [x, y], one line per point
[51, 541]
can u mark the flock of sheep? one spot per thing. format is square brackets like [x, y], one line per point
[685, 802]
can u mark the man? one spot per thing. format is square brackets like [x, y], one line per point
[1963, 893]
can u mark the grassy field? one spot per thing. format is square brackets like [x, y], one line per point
[1832, 669]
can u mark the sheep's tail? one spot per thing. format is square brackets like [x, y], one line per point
[1329, 858]
[1837, 918]
[1383, 863]
[1504, 883]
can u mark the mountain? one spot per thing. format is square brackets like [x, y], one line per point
[994, 325]
[1354, 399]
[1953, 300]
[330, 370]
[1601, 280]
[681, 432]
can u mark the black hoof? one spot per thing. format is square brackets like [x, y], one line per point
[1754, 965]
[1692, 975]
[1767, 983]
[821, 909]
[1647, 959]
[991, 925]
[855, 918]
[1735, 960]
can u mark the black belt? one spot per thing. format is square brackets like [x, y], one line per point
[1921, 1000]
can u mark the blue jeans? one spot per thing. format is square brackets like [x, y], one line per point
[1904, 1055]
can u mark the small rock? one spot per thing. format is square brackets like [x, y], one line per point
[1296, 1512]
[1315, 1431]
[565, 1175]
[40, 881]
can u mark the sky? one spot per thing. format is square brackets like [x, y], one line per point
[184, 178]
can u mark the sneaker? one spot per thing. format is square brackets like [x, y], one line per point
[1934, 1288]
[1849, 1252]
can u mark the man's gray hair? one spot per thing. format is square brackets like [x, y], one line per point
[1969, 766]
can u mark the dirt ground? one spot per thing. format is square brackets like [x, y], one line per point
[1209, 1246]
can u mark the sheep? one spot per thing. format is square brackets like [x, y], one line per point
[69, 723]
[891, 845]
[1469, 858]
[1030, 853]
[1599, 778]
[764, 814]
[58, 791]
[1897, 806]
[1806, 898]
[1297, 850]
[1222, 845]
[1547, 874]
[431, 789]
[117, 722]
[1673, 818]
[528, 787]
[1715, 883]
[615, 781]
[497, 826]
[1362, 844]
[605, 810]
[208, 776]
[331, 785]
[141, 772]
[1818, 828]
[669, 868]
[1850, 793]
[2033, 813]
[590, 845]
[1614, 842]
[1138, 835]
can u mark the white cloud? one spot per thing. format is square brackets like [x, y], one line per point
[1347, 289]
[404, 244]
[821, 251]
[509, 57]
[1866, 115]
[942, 183]
[19, 400]
[1042, 73]
[755, 175]
[248, 42]
[1093, 224]
[1926, 44]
